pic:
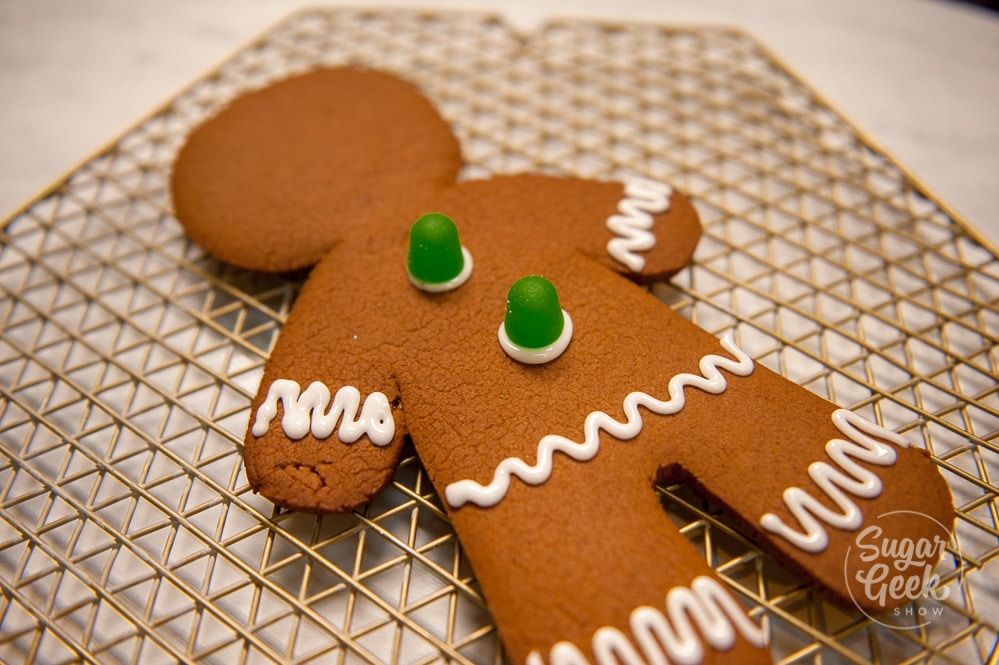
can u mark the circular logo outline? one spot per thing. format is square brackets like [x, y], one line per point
[952, 541]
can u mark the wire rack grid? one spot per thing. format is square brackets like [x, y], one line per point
[128, 358]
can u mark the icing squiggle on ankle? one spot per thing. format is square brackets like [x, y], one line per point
[704, 608]
[712, 381]
[633, 223]
[837, 482]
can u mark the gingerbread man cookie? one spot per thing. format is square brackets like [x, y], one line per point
[498, 324]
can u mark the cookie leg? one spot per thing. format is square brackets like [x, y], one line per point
[544, 557]
[835, 498]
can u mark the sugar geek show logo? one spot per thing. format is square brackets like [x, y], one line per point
[884, 570]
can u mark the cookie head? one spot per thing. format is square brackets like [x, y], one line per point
[281, 174]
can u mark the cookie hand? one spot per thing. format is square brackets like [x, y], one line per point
[653, 231]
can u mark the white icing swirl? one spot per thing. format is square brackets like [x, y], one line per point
[837, 482]
[307, 411]
[671, 637]
[468, 491]
[633, 223]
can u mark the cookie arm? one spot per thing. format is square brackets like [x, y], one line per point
[326, 430]
[641, 229]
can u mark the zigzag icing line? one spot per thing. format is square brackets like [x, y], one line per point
[711, 381]
[633, 223]
[703, 611]
[837, 483]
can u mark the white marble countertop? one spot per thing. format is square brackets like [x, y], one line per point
[919, 77]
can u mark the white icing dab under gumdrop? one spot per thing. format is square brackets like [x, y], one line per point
[712, 381]
[836, 482]
[307, 411]
[633, 223]
[704, 608]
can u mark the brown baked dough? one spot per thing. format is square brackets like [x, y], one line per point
[273, 182]
[560, 560]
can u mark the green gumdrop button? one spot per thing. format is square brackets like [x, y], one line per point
[533, 314]
[434, 249]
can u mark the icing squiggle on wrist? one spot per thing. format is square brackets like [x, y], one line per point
[704, 608]
[836, 482]
[633, 223]
[375, 419]
[712, 381]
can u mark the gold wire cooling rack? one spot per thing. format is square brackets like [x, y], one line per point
[128, 357]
